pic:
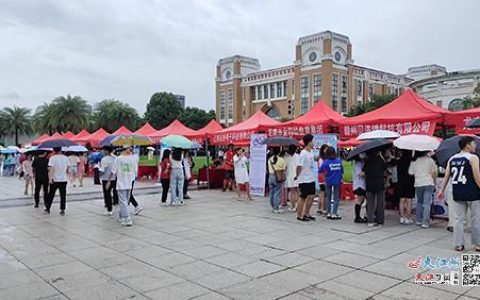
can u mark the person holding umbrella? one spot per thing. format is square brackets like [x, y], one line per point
[176, 177]
[374, 170]
[463, 170]
[125, 169]
[57, 166]
[165, 169]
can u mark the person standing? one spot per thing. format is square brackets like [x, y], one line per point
[228, 166]
[276, 167]
[322, 200]
[187, 172]
[359, 189]
[405, 188]
[28, 174]
[463, 170]
[57, 165]
[82, 163]
[291, 162]
[72, 168]
[165, 169]
[374, 170]
[333, 169]
[40, 175]
[240, 161]
[125, 169]
[424, 170]
[105, 169]
[176, 177]
[306, 180]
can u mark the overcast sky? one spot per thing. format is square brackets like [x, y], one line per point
[129, 49]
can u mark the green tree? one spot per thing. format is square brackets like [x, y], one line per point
[196, 118]
[44, 119]
[376, 102]
[471, 102]
[16, 121]
[112, 114]
[162, 109]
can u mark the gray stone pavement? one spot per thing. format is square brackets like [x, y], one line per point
[213, 248]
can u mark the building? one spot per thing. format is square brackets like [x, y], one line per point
[447, 89]
[422, 72]
[323, 69]
[180, 99]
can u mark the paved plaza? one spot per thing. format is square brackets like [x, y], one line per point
[212, 248]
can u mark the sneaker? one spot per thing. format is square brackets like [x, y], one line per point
[280, 211]
[359, 220]
[46, 211]
[403, 221]
[138, 210]
[126, 222]
[303, 219]
[450, 228]
[409, 221]
[186, 197]
[36, 206]
[329, 216]
[310, 218]
[372, 224]
[182, 203]
[425, 226]
[108, 213]
[276, 211]
[62, 212]
[418, 223]
[336, 217]
[291, 209]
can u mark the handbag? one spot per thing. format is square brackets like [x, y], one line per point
[280, 175]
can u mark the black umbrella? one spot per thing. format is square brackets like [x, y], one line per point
[475, 123]
[450, 147]
[278, 141]
[56, 143]
[369, 145]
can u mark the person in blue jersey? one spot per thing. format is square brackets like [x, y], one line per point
[333, 169]
[424, 171]
[463, 171]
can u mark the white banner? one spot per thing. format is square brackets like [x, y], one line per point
[258, 164]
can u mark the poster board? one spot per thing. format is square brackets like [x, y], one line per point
[258, 163]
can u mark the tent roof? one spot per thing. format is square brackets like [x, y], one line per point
[95, 137]
[176, 127]
[40, 139]
[407, 107]
[257, 121]
[54, 136]
[212, 127]
[319, 114]
[123, 130]
[68, 135]
[81, 135]
[459, 120]
[146, 129]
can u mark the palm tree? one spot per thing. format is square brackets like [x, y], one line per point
[16, 120]
[70, 113]
[112, 114]
[44, 119]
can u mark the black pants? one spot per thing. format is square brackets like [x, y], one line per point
[41, 184]
[165, 187]
[132, 199]
[109, 194]
[62, 186]
[185, 186]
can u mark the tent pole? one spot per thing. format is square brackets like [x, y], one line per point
[208, 162]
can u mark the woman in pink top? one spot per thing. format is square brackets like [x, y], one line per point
[81, 168]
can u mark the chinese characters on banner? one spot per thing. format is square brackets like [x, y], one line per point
[460, 126]
[258, 163]
[403, 128]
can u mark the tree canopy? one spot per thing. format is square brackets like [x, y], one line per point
[162, 109]
[110, 114]
[16, 121]
[196, 118]
[472, 101]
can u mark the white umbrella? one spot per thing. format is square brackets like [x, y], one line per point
[417, 142]
[13, 148]
[378, 134]
[151, 148]
[75, 148]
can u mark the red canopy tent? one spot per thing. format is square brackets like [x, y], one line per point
[316, 121]
[123, 130]
[40, 139]
[80, 136]
[146, 129]
[95, 138]
[68, 135]
[241, 132]
[459, 120]
[176, 127]
[212, 127]
[407, 114]
[54, 136]
[349, 143]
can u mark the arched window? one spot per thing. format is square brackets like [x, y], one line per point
[456, 105]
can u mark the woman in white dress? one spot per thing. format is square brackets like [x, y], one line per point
[240, 161]
[291, 160]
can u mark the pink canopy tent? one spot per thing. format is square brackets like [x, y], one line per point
[68, 135]
[122, 130]
[176, 127]
[82, 134]
[146, 129]
[95, 138]
[407, 114]
[40, 139]
[241, 132]
[54, 136]
[316, 121]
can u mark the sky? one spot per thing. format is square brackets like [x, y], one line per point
[130, 49]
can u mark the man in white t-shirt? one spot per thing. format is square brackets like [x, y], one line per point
[57, 168]
[125, 169]
[306, 180]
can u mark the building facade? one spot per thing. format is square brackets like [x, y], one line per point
[447, 89]
[323, 70]
[180, 99]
